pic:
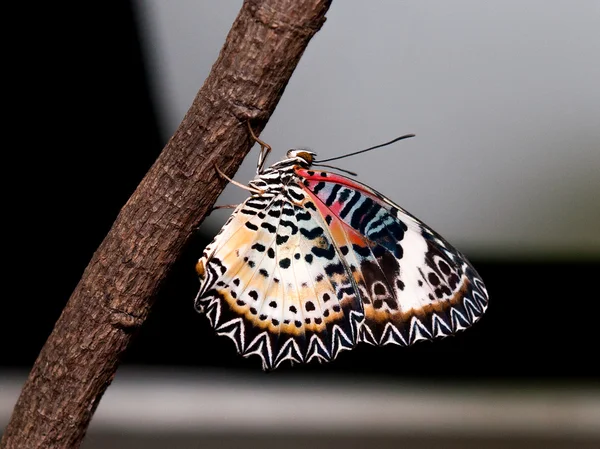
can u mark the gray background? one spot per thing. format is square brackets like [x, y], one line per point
[503, 97]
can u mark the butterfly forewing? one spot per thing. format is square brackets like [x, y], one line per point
[317, 262]
[415, 285]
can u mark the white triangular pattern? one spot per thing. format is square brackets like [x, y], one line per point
[314, 345]
[459, 322]
[481, 300]
[259, 341]
[417, 331]
[356, 319]
[289, 351]
[471, 309]
[439, 326]
[208, 310]
[366, 335]
[391, 335]
[340, 341]
[230, 328]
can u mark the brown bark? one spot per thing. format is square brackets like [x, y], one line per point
[114, 295]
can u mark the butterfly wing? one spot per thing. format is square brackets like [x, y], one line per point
[276, 284]
[413, 284]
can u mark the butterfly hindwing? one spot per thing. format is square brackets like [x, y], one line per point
[415, 286]
[276, 284]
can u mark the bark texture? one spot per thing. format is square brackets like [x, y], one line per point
[114, 295]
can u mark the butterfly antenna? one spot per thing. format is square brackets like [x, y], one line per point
[407, 136]
[336, 168]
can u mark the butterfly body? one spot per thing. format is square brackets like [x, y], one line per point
[313, 263]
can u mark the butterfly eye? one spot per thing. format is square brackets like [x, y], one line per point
[306, 155]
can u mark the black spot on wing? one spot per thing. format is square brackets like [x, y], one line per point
[344, 195]
[363, 251]
[287, 210]
[295, 196]
[281, 239]
[444, 267]
[269, 227]
[313, 233]
[345, 291]
[334, 191]
[334, 268]
[251, 226]
[350, 204]
[256, 203]
[291, 225]
[360, 211]
[379, 289]
[433, 279]
[327, 253]
[318, 187]
[303, 216]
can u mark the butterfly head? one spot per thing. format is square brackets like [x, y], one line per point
[303, 157]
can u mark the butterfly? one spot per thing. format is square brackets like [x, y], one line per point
[314, 262]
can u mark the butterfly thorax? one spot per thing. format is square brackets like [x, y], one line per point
[282, 175]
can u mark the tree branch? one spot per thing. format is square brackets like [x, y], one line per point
[114, 296]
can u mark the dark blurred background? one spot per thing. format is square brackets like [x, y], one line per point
[90, 126]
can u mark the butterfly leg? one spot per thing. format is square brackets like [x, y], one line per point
[250, 189]
[265, 149]
[225, 206]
